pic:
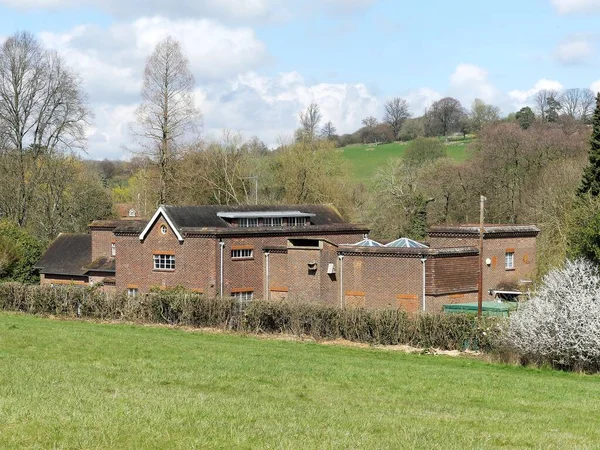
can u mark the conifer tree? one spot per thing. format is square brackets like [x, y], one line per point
[591, 175]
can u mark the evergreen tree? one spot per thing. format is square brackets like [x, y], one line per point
[591, 175]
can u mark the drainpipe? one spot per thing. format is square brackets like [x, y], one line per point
[341, 258]
[424, 306]
[267, 291]
[222, 245]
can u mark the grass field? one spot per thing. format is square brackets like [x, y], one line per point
[70, 384]
[366, 159]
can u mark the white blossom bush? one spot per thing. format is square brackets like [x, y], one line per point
[560, 325]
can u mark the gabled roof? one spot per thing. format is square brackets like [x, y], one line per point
[405, 243]
[189, 219]
[67, 255]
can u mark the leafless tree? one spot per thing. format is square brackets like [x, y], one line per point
[588, 103]
[309, 121]
[577, 103]
[396, 112]
[328, 131]
[369, 128]
[42, 111]
[167, 119]
[444, 117]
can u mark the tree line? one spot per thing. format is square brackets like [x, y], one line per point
[528, 164]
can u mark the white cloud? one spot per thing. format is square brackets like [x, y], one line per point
[421, 99]
[111, 60]
[240, 11]
[269, 106]
[576, 6]
[221, 9]
[469, 81]
[574, 51]
[522, 98]
[595, 86]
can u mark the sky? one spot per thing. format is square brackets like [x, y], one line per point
[258, 63]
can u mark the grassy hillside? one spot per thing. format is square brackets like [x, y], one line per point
[366, 159]
[81, 385]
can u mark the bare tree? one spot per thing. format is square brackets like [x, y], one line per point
[42, 111]
[577, 103]
[369, 128]
[167, 119]
[444, 117]
[309, 122]
[328, 131]
[588, 102]
[396, 113]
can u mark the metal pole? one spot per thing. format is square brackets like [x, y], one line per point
[424, 306]
[256, 189]
[482, 200]
[341, 258]
[222, 245]
[267, 290]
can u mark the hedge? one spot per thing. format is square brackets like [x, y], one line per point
[319, 321]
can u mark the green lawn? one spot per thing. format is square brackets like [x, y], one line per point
[366, 159]
[70, 384]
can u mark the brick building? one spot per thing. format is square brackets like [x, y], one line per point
[303, 252]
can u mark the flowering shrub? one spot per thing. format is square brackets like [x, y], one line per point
[560, 325]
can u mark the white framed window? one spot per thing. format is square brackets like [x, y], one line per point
[242, 253]
[243, 297]
[273, 221]
[246, 222]
[296, 221]
[164, 262]
[113, 249]
[163, 229]
[509, 259]
[132, 292]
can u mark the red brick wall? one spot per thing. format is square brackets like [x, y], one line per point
[101, 243]
[383, 281]
[449, 275]
[195, 262]
[496, 273]
[495, 248]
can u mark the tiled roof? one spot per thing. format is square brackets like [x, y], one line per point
[67, 255]
[206, 216]
[102, 264]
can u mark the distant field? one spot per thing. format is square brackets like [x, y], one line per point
[70, 384]
[366, 159]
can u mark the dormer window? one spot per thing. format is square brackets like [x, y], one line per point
[247, 219]
[273, 221]
[247, 222]
[296, 221]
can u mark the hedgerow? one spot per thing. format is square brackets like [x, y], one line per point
[319, 321]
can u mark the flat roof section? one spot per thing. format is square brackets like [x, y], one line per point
[259, 214]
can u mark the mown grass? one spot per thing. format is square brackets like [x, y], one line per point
[366, 159]
[71, 384]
